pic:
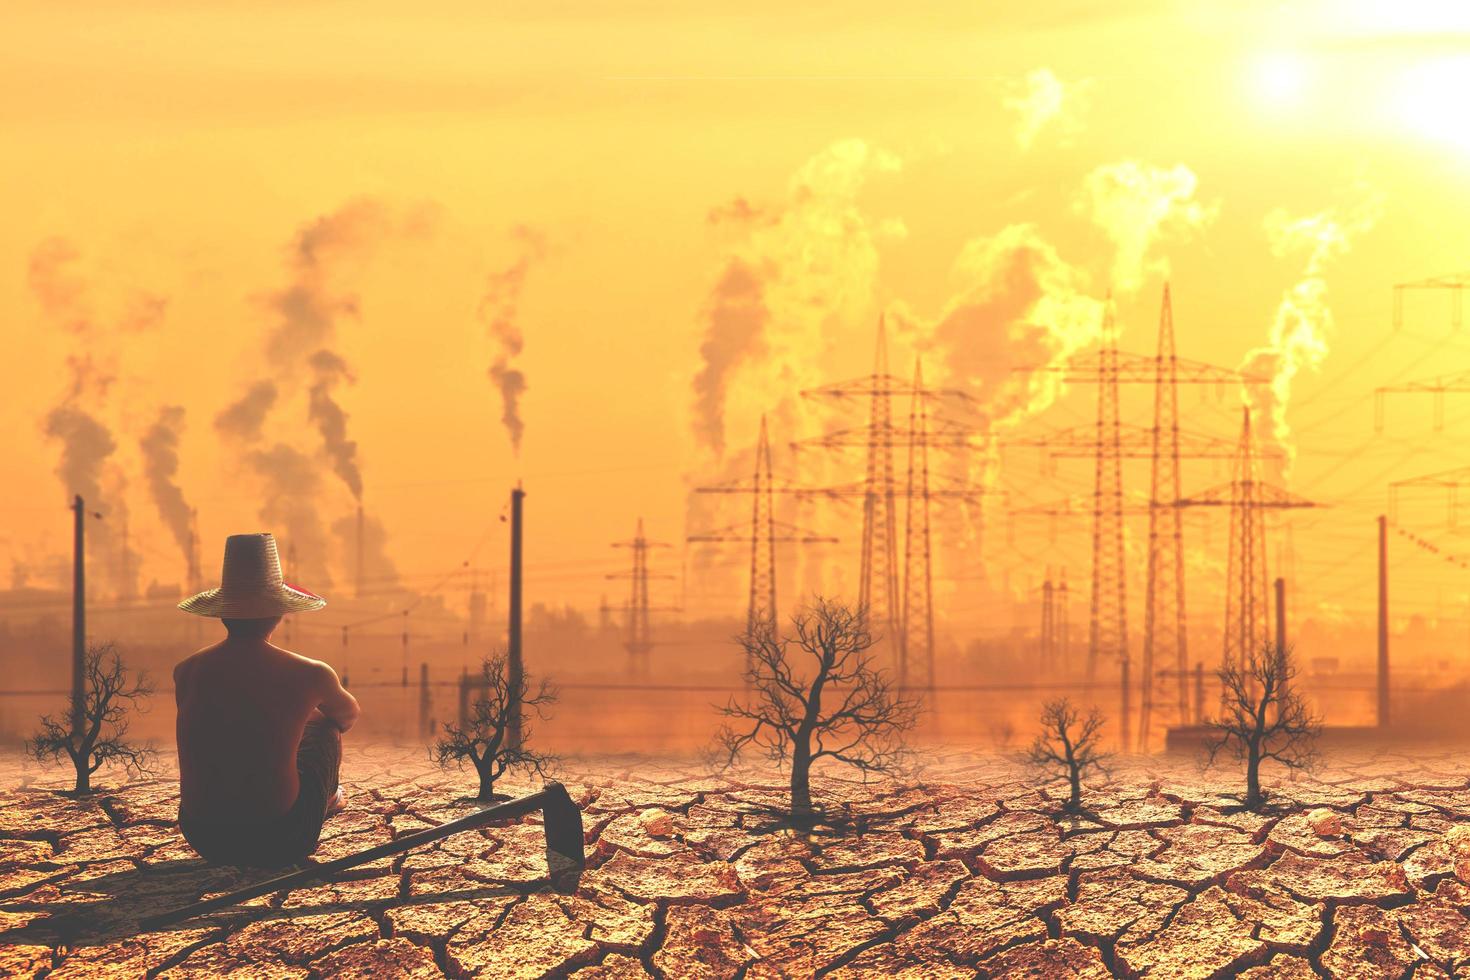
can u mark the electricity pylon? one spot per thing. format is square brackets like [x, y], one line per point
[762, 534]
[1454, 284]
[916, 650]
[1165, 445]
[1448, 480]
[1455, 384]
[1247, 595]
[880, 590]
[638, 636]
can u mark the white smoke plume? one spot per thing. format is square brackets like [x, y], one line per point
[1020, 305]
[1302, 325]
[795, 271]
[797, 277]
[1045, 100]
[160, 448]
[1138, 205]
[498, 309]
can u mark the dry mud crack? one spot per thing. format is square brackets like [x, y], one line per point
[1361, 871]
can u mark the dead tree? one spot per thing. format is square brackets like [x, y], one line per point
[98, 737]
[483, 736]
[814, 694]
[1068, 743]
[1264, 717]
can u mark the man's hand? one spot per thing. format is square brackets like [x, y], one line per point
[337, 704]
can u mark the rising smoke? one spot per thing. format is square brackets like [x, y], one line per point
[1043, 101]
[244, 418]
[797, 278]
[735, 326]
[91, 316]
[301, 350]
[795, 273]
[1138, 205]
[160, 448]
[1303, 322]
[499, 308]
[331, 420]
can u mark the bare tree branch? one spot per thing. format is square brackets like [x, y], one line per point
[1263, 717]
[483, 737]
[109, 694]
[1064, 746]
[841, 707]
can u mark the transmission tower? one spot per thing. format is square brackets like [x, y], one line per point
[1164, 634]
[1054, 622]
[916, 650]
[1165, 445]
[1454, 284]
[1457, 384]
[1247, 595]
[762, 534]
[1449, 481]
[878, 583]
[637, 636]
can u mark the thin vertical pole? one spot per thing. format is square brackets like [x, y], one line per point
[78, 619]
[1199, 692]
[424, 699]
[1127, 705]
[516, 667]
[1280, 614]
[1383, 717]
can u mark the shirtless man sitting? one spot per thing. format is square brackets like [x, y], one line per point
[259, 728]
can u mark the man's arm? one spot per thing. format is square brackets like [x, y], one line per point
[337, 704]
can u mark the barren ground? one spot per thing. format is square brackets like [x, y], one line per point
[1354, 874]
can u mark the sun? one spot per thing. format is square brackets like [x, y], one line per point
[1279, 79]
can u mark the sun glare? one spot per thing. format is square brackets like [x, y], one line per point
[1430, 100]
[1279, 79]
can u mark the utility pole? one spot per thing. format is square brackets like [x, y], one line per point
[78, 619]
[360, 552]
[515, 667]
[1383, 716]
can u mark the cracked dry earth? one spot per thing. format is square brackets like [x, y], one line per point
[1361, 871]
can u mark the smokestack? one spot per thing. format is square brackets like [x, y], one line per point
[78, 618]
[515, 668]
[359, 550]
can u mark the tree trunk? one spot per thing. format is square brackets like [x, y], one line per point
[487, 788]
[1253, 780]
[1075, 802]
[801, 786]
[84, 778]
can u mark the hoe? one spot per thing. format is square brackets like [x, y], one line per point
[560, 816]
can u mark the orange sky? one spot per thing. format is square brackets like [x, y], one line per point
[884, 163]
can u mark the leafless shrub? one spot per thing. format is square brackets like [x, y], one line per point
[1068, 743]
[1264, 718]
[100, 736]
[841, 706]
[484, 737]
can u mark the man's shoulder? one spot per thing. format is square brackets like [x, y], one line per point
[307, 664]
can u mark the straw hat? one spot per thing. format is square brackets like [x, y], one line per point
[250, 584]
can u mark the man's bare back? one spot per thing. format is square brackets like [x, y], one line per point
[243, 707]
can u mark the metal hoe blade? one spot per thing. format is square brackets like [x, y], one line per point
[561, 819]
